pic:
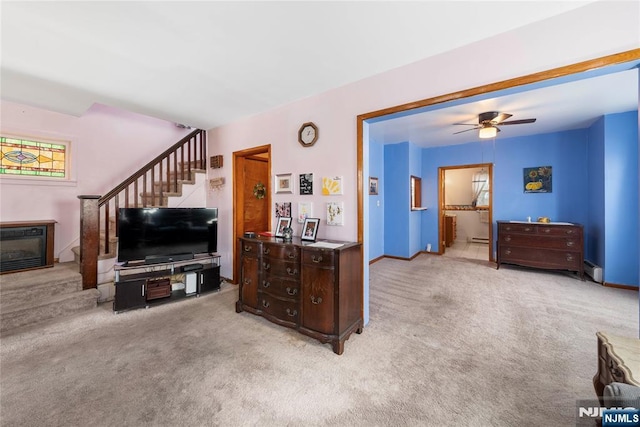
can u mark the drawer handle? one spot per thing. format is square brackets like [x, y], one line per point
[266, 251]
[316, 260]
[265, 304]
[316, 300]
[266, 265]
[248, 248]
[569, 257]
[291, 255]
[508, 228]
[547, 230]
[507, 252]
[570, 243]
[292, 272]
[247, 282]
[569, 231]
[266, 284]
[291, 291]
[527, 229]
[292, 313]
[507, 239]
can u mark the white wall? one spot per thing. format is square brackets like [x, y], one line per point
[107, 146]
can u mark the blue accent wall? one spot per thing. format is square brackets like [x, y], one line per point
[376, 203]
[621, 198]
[594, 231]
[415, 217]
[396, 201]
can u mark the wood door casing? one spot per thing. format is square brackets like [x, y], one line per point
[250, 166]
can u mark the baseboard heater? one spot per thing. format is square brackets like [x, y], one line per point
[593, 271]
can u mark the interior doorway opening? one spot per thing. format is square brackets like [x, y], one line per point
[465, 211]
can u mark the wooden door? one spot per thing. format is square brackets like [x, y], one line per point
[250, 213]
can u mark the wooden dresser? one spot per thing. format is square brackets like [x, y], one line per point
[618, 361]
[317, 291]
[556, 246]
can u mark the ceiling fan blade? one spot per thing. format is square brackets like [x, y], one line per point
[466, 130]
[500, 117]
[466, 124]
[518, 122]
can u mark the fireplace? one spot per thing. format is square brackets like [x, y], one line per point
[26, 245]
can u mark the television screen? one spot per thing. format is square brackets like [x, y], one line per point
[157, 232]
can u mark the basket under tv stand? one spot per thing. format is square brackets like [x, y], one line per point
[143, 285]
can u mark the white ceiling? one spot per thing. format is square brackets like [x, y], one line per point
[569, 105]
[207, 63]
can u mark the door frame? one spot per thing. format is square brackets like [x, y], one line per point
[441, 210]
[238, 194]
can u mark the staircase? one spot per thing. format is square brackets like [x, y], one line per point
[42, 295]
[36, 296]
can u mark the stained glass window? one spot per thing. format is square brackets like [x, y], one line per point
[26, 157]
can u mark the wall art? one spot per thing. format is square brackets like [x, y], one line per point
[537, 179]
[306, 184]
[283, 209]
[335, 213]
[373, 186]
[305, 210]
[331, 186]
[284, 183]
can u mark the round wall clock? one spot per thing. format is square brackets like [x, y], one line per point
[308, 134]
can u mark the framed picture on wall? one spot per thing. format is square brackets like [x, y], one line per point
[284, 183]
[537, 179]
[306, 184]
[373, 186]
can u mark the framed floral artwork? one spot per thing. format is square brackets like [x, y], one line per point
[537, 179]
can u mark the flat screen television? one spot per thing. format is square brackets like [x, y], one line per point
[166, 234]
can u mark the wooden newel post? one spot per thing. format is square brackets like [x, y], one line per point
[89, 240]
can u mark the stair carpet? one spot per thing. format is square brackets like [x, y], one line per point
[35, 296]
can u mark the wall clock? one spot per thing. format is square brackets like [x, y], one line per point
[308, 134]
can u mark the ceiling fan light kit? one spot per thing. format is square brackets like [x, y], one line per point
[487, 123]
[487, 132]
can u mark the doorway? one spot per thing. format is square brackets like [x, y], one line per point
[251, 194]
[465, 210]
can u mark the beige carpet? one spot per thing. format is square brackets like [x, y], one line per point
[450, 342]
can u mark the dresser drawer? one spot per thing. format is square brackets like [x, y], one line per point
[250, 248]
[318, 258]
[285, 310]
[278, 268]
[279, 287]
[286, 252]
[554, 230]
[517, 228]
[538, 257]
[538, 241]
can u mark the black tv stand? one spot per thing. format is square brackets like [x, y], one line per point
[163, 259]
[139, 285]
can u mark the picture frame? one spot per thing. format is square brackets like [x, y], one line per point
[282, 223]
[284, 183]
[310, 229]
[537, 179]
[305, 210]
[306, 184]
[332, 186]
[283, 209]
[335, 213]
[373, 186]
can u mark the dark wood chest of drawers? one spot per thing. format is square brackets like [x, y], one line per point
[317, 291]
[555, 246]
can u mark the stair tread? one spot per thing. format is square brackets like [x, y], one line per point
[58, 274]
[10, 308]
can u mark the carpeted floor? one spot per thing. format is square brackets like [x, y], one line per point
[450, 342]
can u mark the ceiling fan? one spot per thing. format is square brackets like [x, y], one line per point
[487, 123]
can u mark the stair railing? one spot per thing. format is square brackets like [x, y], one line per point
[148, 187]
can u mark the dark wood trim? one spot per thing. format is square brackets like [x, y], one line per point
[262, 153]
[376, 259]
[618, 286]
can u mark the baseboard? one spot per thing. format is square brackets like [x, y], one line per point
[396, 257]
[376, 259]
[618, 286]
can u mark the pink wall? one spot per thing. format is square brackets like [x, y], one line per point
[108, 145]
[595, 30]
